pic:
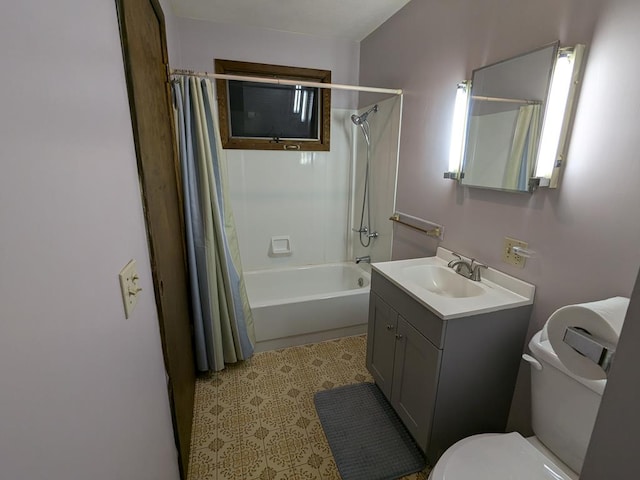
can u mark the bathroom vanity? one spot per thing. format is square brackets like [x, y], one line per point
[445, 351]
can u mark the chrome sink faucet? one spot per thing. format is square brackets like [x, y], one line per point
[470, 270]
[476, 266]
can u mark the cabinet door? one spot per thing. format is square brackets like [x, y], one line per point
[381, 342]
[415, 378]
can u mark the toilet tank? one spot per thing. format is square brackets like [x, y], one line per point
[563, 406]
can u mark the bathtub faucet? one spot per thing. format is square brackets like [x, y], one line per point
[366, 259]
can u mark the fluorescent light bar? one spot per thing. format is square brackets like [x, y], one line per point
[458, 128]
[556, 120]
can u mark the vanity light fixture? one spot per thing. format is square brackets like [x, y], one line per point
[456, 148]
[557, 118]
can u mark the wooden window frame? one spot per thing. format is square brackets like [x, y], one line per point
[233, 67]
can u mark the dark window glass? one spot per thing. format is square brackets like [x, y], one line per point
[260, 110]
[273, 116]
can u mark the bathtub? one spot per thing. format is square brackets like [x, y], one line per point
[298, 305]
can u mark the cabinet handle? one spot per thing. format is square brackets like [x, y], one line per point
[389, 327]
[398, 336]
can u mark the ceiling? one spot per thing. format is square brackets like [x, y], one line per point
[352, 19]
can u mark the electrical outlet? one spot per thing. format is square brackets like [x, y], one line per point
[509, 256]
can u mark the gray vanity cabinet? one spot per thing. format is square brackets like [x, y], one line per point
[446, 379]
[381, 342]
[404, 365]
[415, 375]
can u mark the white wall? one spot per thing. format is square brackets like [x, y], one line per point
[171, 27]
[384, 133]
[83, 390]
[304, 195]
[202, 41]
[301, 194]
[587, 232]
[612, 121]
[612, 452]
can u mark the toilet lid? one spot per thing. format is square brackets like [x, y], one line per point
[496, 457]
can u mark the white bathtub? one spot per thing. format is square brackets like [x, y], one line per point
[297, 305]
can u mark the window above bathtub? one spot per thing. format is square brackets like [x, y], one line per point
[268, 116]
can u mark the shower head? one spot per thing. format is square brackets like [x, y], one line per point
[360, 119]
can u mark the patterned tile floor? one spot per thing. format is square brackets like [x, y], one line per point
[257, 420]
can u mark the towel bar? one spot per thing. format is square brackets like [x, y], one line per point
[430, 232]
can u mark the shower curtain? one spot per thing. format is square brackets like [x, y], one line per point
[523, 148]
[223, 325]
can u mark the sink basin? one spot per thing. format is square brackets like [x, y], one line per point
[449, 295]
[442, 281]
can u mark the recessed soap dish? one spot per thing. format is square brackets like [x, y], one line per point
[280, 246]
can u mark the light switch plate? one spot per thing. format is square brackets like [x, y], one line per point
[129, 286]
[509, 256]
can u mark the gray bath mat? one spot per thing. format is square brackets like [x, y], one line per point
[367, 439]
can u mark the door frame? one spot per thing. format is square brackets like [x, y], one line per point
[182, 449]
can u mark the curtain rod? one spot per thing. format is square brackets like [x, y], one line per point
[284, 81]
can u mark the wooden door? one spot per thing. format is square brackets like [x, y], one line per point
[142, 33]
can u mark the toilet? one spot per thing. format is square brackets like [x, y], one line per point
[563, 410]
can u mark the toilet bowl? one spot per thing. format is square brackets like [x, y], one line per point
[564, 408]
[497, 456]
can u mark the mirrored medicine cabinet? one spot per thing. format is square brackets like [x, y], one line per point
[513, 120]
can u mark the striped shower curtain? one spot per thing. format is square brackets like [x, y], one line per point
[223, 324]
[523, 148]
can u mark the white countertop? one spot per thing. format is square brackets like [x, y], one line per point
[501, 291]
